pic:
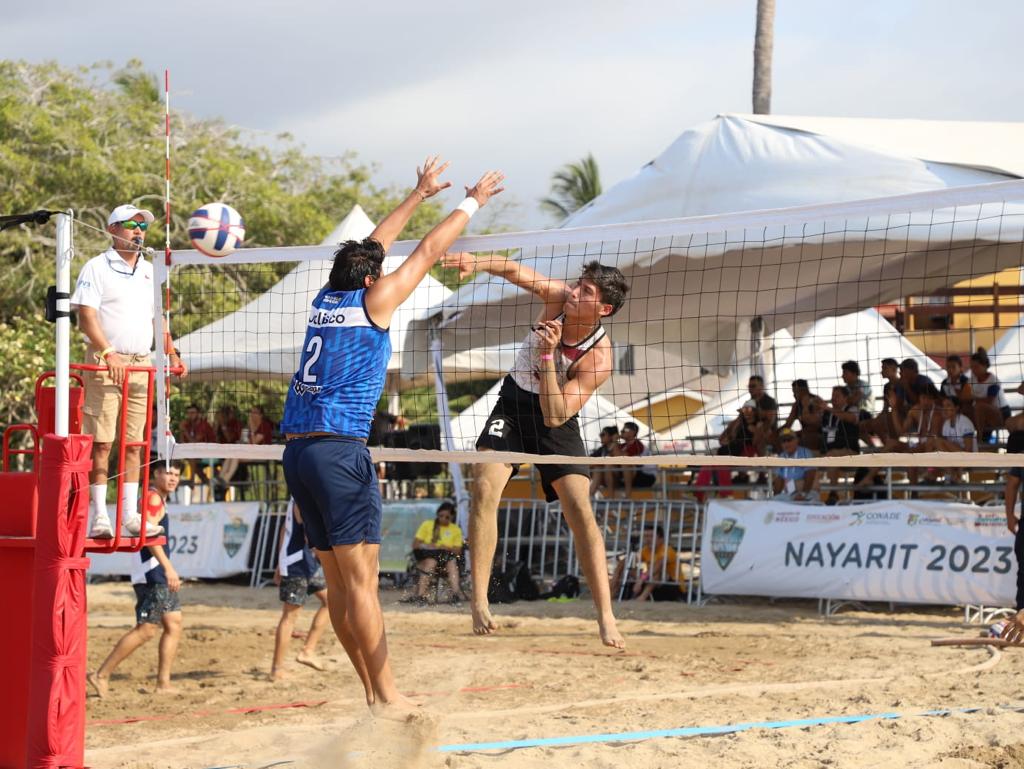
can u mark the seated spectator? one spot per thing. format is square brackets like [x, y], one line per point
[632, 476]
[805, 410]
[603, 474]
[957, 434]
[195, 429]
[912, 382]
[956, 384]
[794, 482]
[886, 424]
[765, 433]
[660, 577]
[840, 425]
[988, 408]
[860, 389]
[261, 429]
[923, 424]
[438, 543]
[229, 430]
[738, 438]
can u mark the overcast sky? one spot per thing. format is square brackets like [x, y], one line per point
[528, 86]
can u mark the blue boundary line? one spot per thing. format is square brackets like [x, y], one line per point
[687, 731]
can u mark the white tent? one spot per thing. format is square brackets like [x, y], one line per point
[597, 413]
[696, 285]
[816, 355]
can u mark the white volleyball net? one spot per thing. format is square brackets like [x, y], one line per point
[783, 296]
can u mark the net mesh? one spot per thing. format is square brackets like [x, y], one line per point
[783, 296]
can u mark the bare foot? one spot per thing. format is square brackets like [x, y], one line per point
[483, 622]
[610, 635]
[101, 685]
[166, 688]
[277, 675]
[398, 708]
[310, 660]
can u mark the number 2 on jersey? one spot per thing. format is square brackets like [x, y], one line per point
[314, 348]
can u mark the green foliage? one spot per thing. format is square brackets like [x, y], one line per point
[89, 139]
[572, 187]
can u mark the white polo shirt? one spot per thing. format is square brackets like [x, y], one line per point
[123, 298]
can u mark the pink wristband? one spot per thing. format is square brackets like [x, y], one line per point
[547, 356]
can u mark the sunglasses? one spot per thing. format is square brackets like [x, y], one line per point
[131, 224]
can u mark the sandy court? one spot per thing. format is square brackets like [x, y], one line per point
[545, 675]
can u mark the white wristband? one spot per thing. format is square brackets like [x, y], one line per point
[469, 206]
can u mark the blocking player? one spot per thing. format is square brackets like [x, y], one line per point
[156, 586]
[559, 366]
[330, 406]
[298, 575]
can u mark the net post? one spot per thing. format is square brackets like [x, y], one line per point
[62, 367]
[163, 443]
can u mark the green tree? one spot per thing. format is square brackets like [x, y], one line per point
[572, 187]
[91, 138]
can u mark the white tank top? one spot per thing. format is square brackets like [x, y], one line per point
[526, 369]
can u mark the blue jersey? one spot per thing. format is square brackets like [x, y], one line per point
[295, 559]
[342, 368]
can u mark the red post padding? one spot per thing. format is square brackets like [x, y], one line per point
[56, 708]
[17, 550]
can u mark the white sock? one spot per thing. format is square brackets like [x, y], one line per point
[99, 503]
[131, 501]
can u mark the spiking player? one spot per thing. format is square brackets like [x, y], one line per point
[559, 366]
[329, 408]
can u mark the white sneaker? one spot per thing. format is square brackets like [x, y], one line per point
[101, 529]
[134, 527]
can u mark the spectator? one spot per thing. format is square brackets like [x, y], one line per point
[260, 430]
[195, 429]
[806, 411]
[956, 434]
[795, 482]
[886, 424]
[633, 476]
[860, 389]
[661, 576]
[438, 543]
[603, 475]
[956, 384]
[840, 425]
[382, 425]
[767, 415]
[911, 383]
[922, 425]
[228, 429]
[1014, 630]
[114, 298]
[989, 410]
[738, 438]
[156, 585]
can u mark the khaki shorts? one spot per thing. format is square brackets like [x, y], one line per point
[102, 406]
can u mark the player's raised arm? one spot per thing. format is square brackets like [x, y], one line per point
[387, 293]
[428, 184]
[549, 290]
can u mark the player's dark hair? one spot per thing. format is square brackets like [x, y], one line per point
[852, 366]
[175, 464]
[609, 281]
[889, 362]
[353, 261]
[980, 356]
[801, 384]
[755, 377]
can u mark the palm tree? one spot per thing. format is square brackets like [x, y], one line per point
[763, 44]
[572, 187]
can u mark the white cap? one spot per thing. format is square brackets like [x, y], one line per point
[126, 212]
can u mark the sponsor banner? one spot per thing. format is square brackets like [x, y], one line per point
[905, 551]
[211, 540]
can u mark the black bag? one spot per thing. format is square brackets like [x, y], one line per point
[568, 586]
[512, 585]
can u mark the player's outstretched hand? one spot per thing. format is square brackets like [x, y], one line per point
[428, 181]
[488, 186]
[463, 261]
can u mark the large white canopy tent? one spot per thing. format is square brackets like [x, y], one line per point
[694, 294]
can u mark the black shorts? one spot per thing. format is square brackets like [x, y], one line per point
[517, 424]
[295, 590]
[152, 602]
[441, 556]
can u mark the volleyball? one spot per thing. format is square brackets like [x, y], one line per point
[216, 229]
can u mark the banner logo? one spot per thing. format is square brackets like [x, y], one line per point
[234, 536]
[725, 541]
